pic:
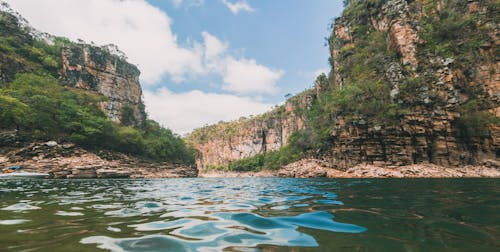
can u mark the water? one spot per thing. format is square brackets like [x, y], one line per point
[250, 214]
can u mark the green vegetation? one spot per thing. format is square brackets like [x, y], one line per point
[473, 120]
[300, 143]
[39, 107]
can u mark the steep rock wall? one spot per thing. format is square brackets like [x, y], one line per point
[96, 69]
[431, 131]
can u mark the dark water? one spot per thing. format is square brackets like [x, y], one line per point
[250, 214]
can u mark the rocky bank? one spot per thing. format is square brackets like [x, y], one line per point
[103, 78]
[315, 168]
[69, 161]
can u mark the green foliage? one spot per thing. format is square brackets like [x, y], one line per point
[449, 32]
[474, 120]
[36, 104]
[254, 163]
[12, 112]
[365, 93]
[300, 143]
[128, 117]
[41, 107]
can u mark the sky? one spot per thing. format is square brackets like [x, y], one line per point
[202, 61]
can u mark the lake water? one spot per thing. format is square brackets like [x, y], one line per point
[250, 214]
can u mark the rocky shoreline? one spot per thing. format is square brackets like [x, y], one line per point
[310, 168]
[68, 161]
[72, 162]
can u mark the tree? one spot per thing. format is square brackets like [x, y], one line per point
[12, 112]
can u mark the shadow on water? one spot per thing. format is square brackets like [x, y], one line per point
[270, 214]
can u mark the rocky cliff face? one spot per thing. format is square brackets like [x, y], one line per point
[432, 131]
[96, 69]
[225, 142]
[442, 74]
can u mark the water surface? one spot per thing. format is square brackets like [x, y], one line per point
[250, 214]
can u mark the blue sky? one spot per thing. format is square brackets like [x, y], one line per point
[282, 34]
[202, 61]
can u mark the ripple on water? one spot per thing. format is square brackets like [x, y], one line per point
[197, 215]
[18, 207]
[64, 213]
[13, 222]
[113, 229]
[225, 230]
[329, 202]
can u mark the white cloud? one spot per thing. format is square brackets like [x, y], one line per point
[240, 5]
[144, 33]
[188, 3]
[213, 46]
[317, 72]
[182, 112]
[177, 3]
[241, 76]
[246, 76]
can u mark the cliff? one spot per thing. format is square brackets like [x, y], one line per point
[411, 82]
[96, 69]
[225, 142]
[443, 72]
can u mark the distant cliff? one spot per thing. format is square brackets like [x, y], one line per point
[230, 141]
[411, 82]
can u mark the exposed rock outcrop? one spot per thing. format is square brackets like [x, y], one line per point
[103, 70]
[431, 132]
[96, 69]
[308, 168]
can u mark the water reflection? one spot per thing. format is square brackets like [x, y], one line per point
[181, 214]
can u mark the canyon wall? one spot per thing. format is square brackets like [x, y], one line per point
[449, 98]
[96, 69]
[431, 131]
